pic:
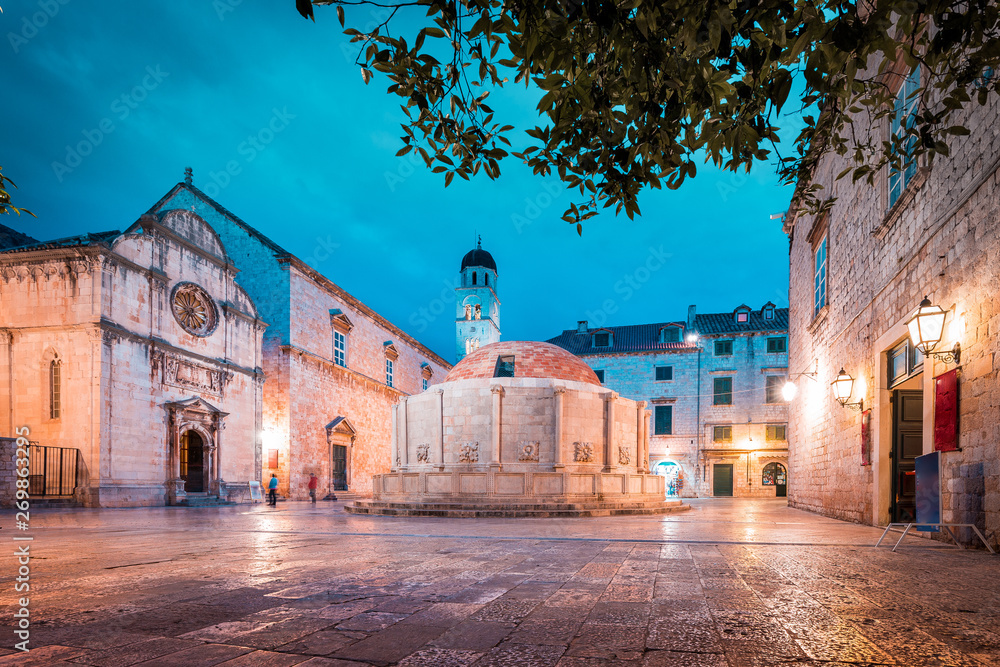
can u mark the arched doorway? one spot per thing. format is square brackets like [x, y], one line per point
[774, 474]
[193, 462]
[673, 477]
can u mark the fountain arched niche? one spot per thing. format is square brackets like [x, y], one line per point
[519, 429]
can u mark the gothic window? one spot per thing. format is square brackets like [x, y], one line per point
[340, 348]
[772, 389]
[663, 418]
[194, 309]
[723, 391]
[55, 389]
[722, 434]
[902, 120]
[819, 272]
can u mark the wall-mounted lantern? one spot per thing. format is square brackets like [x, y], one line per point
[927, 329]
[843, 387]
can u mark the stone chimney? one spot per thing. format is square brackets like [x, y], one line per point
[581, 326]
[691, 314]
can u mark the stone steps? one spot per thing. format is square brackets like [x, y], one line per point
[486, 510]
[54, 503]
[204, 501]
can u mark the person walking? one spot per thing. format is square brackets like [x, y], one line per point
[313, 483]
[272, 491]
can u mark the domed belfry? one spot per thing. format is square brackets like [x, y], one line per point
[477, 308]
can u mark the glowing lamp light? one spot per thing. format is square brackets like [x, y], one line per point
[843, 387]
[926, 327]
[789, 391]
[692, 338]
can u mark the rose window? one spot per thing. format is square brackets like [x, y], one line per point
[194, 309]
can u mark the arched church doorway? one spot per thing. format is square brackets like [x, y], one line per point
[193, 462]
[775, 475]
[673, 477]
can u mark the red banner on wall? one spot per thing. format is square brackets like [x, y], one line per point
[946, 412]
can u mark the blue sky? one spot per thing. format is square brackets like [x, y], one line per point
[152, 88]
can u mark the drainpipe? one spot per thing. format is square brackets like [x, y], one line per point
[704, 476]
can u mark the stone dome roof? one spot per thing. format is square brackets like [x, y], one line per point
[478, 257]
[531, 360]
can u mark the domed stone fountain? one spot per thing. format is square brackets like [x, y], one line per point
[519, 429]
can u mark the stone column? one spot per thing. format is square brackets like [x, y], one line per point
[559, 393]
[217, 482]
[642, 444]
[175, 485]
[440, 410]
[404, 445]
[609, 430]
[495, 431]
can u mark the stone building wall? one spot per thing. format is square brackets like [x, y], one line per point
[8, 472]
[103, 310]
[305, 390]
[940, 240]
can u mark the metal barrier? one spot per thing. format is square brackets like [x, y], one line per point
[53, 470]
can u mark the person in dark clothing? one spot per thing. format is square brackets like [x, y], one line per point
[272, 491]
[313, 483]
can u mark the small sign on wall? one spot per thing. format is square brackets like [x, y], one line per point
[866, 438]
[946, 412]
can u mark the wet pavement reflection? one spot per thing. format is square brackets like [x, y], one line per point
[728, 583]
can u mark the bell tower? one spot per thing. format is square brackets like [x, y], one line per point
[477, 308]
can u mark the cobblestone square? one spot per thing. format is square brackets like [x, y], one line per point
[729, 583]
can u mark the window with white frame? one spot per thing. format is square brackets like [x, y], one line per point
[339, 348]
[423, 384]
[819, 273]
[388, 372]
[903, 119]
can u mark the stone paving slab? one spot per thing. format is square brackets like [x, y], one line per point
[728, 584]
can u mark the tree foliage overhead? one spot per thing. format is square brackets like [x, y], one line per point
[636, 94]
[6, 208]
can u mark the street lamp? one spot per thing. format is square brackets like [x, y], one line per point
[843, 387]
[926, 328]
[789, 391]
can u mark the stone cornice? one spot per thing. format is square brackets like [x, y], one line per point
[335, 290]
[150, 223]
[330, 365]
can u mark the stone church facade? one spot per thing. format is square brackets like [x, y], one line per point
[857, 275]
[139, 351]
[334, 366]
[191, 355]
[713, 384]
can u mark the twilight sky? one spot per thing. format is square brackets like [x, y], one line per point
[146, 89]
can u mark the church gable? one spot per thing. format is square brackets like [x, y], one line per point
[190, 227]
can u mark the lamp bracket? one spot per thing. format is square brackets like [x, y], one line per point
[952, 356]
[859, 406]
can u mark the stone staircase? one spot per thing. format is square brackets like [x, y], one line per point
[204, 500]
[499, 509]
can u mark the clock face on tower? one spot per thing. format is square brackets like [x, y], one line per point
[194, 309]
